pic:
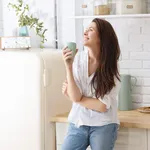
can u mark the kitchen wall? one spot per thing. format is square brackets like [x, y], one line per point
[43, 9]
[134, 39]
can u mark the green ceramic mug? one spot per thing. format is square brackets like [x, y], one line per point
[72, 46]
[124, 98]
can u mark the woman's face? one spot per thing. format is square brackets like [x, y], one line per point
[91, 36]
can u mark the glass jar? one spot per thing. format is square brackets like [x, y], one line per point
[101, 7]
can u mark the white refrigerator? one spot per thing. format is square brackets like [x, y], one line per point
[30, 93]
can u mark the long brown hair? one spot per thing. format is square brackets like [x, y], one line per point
[108, 60]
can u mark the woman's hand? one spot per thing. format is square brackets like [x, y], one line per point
[68, 57]
[64, 88]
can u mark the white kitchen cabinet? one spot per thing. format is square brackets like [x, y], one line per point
[128, 138]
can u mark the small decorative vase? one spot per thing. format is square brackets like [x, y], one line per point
[23, 31]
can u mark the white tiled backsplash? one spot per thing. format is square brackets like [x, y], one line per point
[134, 38]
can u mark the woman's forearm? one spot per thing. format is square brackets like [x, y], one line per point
[72, 89]
[93, 103]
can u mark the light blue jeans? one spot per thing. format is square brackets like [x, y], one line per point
[98, 137]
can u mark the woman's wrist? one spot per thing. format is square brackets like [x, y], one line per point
[69, 69]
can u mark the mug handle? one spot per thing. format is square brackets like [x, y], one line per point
[135, 81]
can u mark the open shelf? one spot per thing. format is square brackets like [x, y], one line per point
[112, 16]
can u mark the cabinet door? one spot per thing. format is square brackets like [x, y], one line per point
[148, 139]
[131, 139]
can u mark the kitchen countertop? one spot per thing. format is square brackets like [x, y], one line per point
[128, 119]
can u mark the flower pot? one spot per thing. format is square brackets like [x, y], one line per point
[23, 31]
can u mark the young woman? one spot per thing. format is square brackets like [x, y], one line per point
[92, 85]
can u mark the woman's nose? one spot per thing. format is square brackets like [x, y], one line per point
[85, 32]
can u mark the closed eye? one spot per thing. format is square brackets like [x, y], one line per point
[91, 29]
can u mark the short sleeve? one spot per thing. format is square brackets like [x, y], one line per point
[109, 98]
[76, 69]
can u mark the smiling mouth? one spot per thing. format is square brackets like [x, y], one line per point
[85, 38]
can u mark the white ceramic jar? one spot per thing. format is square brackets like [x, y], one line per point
[129, 6]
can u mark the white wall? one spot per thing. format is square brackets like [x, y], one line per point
[43, 9]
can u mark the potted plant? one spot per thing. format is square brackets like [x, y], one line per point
[25, 19]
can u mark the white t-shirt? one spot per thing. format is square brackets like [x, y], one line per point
[80, 115]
